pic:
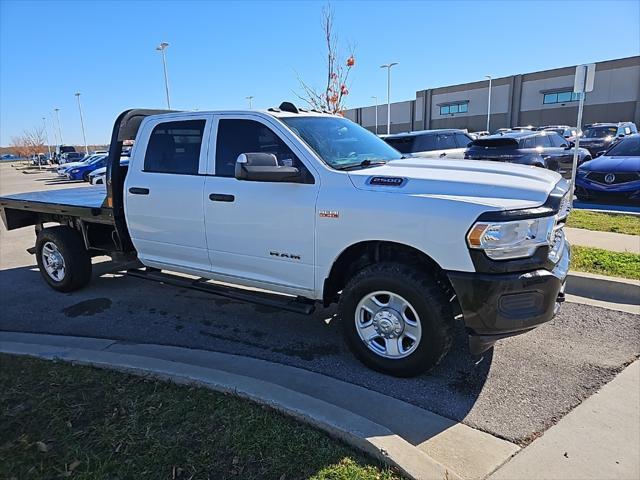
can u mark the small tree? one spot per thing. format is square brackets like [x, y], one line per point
[332, 97]
[19, 146]
[34, 140]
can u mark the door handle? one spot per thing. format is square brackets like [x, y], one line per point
[221, 197]
[138, 191]
[443, 154]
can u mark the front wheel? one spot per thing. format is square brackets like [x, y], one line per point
[396, 319]
[63, 260]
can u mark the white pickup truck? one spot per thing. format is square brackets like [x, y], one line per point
[293, 207]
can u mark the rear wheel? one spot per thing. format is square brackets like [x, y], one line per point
[63, 260]
[396, 319]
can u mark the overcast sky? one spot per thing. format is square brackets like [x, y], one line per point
[221, 52]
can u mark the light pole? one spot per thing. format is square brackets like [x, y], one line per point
[57, 110]
[250, 99]
[489, 103]
[46, 137]
[84, 137]
[161, 48]
[376, 99]
[388, 67]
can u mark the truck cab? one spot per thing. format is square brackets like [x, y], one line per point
[313, 208]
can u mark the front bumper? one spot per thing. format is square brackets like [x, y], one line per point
[496, 306]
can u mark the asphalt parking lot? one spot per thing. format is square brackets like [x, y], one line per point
[525, 386]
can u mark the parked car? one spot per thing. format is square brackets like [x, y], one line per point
[431, 143]
[98, 176]
[613, 175]
[61, 150]
[481, 133]
[64, 168]
[540, 149]
[597, 137]
[315, 209]
[528, 128]
[565, 131]
[69, 157]
[81, 172]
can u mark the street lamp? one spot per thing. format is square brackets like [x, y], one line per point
[388, 67]
[489, 103]
[161, 48]
[84, 137]
[376, 99]
[57, 110]
[46, 139]
[250, 99]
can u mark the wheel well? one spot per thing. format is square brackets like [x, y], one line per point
[358, 256]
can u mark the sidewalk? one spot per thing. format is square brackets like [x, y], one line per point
[599, 439]
[615, 242]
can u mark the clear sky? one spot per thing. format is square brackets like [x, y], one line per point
[223, 51]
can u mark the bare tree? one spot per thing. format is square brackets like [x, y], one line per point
[19, 146]
[34, 140]
[332, 97]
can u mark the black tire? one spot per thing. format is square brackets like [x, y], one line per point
[85, 177]
[426, 298]
[76, 258]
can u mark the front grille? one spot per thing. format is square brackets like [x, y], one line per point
[621, 177]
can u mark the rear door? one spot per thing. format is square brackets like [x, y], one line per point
[164, 193]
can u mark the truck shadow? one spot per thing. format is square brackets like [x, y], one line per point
[134, 310]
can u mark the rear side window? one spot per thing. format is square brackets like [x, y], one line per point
[402, 144]
[543, 141]
[248, 136]
[174, 147]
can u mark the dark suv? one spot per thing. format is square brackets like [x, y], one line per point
[597, 137]
[444, 143]
[544, 149]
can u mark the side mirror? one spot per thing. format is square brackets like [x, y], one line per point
[263, 167]
[600, 153]
[570, 146]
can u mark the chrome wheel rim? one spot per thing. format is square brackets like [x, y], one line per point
[388, 324]
[53, 261]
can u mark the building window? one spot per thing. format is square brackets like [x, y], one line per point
[560, 97]
[454, 108]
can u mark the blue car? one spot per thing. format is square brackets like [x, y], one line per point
[82, 171]
[615, 175]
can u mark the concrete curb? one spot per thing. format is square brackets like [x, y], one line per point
[419, 443]
[603, 288]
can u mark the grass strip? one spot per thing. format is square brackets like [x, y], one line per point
[67, 421]
[605, 262]
[604, 222]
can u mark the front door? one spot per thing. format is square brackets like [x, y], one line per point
[164, 194]
[259, 233]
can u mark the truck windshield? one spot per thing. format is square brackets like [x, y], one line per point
[340, 142]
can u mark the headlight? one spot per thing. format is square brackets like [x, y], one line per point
[581, 172]
[515, 239]
[75, 170]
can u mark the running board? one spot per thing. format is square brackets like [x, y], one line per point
[291, 304]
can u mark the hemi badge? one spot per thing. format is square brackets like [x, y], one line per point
[329, 214]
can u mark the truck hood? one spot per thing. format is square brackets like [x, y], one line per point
[499, 185]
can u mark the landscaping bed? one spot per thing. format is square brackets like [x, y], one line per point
[59, 420]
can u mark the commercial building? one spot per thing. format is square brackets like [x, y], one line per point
[539, 98]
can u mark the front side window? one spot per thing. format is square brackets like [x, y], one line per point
[174, 147]
[558, 141]
[445, 141]
[462, 140]
[236, 136]
[339, 142]
[425, 143]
